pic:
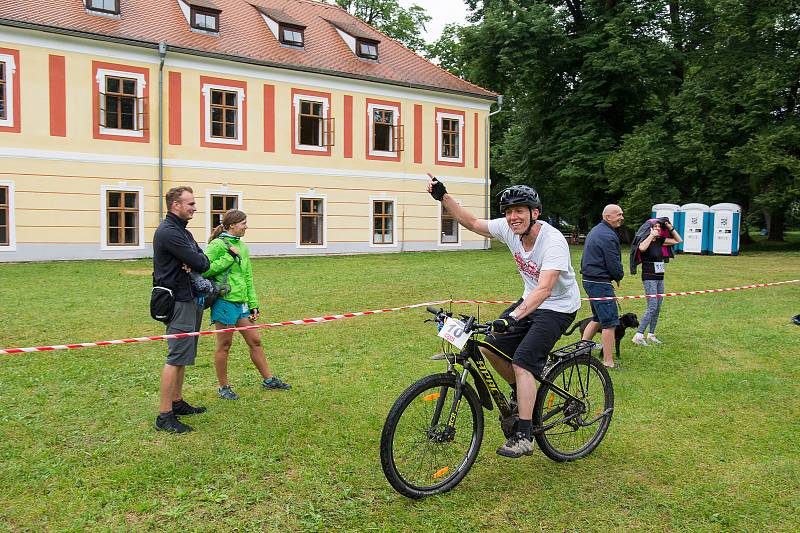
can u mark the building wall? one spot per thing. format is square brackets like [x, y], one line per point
[59, 166]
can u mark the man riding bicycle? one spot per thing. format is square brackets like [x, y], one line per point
[526, 332]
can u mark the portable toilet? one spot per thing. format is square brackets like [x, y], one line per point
[673, 213]
[725, 221]
[695, 228]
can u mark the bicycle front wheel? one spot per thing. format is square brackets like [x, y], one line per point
[420, 454]
[569, 429]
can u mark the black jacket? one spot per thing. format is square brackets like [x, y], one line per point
[174, 246]
[601, 259]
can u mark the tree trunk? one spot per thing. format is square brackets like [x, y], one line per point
[775, 226]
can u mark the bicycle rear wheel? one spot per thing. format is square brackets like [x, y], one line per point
[577, 427]
[420, 455]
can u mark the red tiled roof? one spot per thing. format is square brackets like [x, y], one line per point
[244, 34]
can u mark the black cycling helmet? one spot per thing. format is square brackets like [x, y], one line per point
[519, 195]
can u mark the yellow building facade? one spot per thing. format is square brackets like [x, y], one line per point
[322, 164]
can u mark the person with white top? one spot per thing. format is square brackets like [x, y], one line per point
[548, 305]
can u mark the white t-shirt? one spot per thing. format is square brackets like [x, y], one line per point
[550, 252]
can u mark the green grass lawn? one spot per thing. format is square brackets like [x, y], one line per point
[705, 435]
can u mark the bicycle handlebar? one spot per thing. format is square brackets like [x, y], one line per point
[470, 323]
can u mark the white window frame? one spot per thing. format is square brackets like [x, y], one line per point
[137, 130]
[221, 191]
[296, 110]
[100, 11]
[372, 200]
[240, 96]
[461, 144]
[371, 108]
[459, 226]
[12, 230]
[311, 196]
[11, 69]
[104, 216]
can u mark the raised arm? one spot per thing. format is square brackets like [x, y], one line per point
[462, 216]
[673, 238]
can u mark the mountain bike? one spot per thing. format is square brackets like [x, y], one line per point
[430, 441]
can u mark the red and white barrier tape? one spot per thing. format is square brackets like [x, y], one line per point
[329, 318]
[638, 296]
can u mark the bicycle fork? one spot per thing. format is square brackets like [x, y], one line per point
[449, 430]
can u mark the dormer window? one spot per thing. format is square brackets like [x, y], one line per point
[358, 40]
[291, 35]
[289, 31]
[367, 49]
[202, 15]
[204, 19]
[103, 6]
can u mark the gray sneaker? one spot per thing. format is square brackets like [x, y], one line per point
[653, 340]
[275, 383]
[517, 445]
[226, 393]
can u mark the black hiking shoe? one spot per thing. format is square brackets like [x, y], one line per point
[182, 408]
[169, 422]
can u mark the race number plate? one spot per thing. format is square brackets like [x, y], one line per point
[453, 332]
[658, 267]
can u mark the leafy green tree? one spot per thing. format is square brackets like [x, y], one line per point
[404, 25]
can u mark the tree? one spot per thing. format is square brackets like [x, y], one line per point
[577, 77]
[388, 16]
[640, 101]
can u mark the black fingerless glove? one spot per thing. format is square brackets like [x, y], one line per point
[438, 190]
[501, 325]
[254, 310]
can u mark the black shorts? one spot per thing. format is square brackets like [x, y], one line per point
[532, 340]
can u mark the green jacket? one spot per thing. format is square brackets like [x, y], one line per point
[240, 277]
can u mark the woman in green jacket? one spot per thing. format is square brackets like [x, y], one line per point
[229, 256]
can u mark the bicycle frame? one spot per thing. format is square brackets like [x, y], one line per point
[488, 390]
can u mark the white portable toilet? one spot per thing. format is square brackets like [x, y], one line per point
[695, 228]
[725, 221]
[673, 213]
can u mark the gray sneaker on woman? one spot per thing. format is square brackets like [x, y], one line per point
[226, 393]
[275, 383]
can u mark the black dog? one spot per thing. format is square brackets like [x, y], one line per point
[628, 320]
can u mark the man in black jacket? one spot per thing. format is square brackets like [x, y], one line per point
[600, 265]
[175, 254]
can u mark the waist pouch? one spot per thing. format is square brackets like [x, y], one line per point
[162, 303]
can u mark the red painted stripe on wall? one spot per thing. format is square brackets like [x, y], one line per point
[58, 97]
[417, 133]
[475, 141]
[175, 108]
[348, 126]
[269, 118]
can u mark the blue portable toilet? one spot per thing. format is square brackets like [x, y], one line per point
[696, 229]
[673, 213]
[725, 223]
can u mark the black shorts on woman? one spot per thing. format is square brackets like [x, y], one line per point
[532, 340]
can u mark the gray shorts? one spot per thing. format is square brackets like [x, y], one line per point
[186, 318]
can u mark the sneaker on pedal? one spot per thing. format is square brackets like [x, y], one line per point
[275, 383]
[517, 445]
[226, 393]
[182, 408]
[169, 422]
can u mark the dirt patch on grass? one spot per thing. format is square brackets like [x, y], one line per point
[138, 272]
